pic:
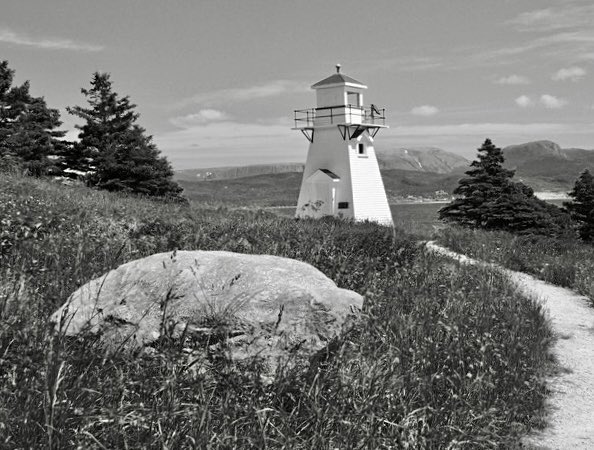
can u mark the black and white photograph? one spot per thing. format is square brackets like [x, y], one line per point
[308, 224]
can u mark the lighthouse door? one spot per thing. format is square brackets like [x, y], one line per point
[319, 194]
[325, 194]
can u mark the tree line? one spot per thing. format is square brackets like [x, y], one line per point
[488, 198]
[113, 152]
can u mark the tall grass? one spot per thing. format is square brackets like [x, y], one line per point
[445, 356]
[565, 262]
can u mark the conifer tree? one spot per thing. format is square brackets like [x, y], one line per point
[484, 182]
[28, 132]
[123, 157]
[488, 198]
[581, 208]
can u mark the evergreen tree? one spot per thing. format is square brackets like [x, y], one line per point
[28, 132]
[123, 157]
[581, 208]
[488, 198]
[485, 181]
[73, 162]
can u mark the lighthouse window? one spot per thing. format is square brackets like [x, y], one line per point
[354, 98]
[361, 149]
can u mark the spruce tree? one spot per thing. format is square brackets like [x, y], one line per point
[28, 128]
[123, 157]
[581, 208]
[488, 198]
[485, 181]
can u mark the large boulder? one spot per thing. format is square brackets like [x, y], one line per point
[274, 308]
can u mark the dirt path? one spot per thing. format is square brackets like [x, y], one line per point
[571, 403]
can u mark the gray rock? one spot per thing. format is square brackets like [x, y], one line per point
[278, 309]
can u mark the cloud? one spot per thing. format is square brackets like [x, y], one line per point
[401, 63]
[424, 110]
[530, 20]
[573, 73]
[565, 17]
[574, 45]
[562, 34]
[11, 37]
[416, 63]
[465, 138]
[523, 101]
[546, 100]
[552, 102]
[201, 117]
[567, 31]
[225, 143]
[270, 89]
[229, 142]
[484, 129]
[513, 79]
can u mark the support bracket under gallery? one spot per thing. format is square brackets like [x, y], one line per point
[308, 133]
[354, 131]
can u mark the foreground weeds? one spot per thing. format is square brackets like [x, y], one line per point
[565, 262]
[445, 356]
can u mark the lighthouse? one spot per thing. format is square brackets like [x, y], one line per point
[341, 176]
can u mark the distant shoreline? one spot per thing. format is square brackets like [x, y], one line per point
[544, 195]
[394, 203]
[421, 202]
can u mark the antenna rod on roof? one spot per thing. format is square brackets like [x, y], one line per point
[337, 68]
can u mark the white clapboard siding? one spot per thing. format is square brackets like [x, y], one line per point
[369, 195]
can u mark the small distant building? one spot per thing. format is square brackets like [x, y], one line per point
[341, 176]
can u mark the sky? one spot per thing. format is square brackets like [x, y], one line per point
[216, 81]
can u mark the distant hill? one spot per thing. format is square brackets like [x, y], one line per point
[522, 154]
[429, 159]
[416, 172]
[421, 159]
[544, 165]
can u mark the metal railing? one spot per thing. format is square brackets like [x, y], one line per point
[343, 114]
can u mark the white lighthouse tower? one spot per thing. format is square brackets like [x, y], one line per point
[341, 175]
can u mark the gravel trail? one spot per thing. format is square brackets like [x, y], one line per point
[571, 402]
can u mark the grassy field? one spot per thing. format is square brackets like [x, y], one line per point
[422, 219]
[418, 219]
[261, 190]
[444, 357]
[282, 189]
[565, 262]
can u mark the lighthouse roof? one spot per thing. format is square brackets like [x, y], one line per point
[330, 174]
[338, 79]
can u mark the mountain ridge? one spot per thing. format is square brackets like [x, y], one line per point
[544, 165]
[417, 159]
[421, 159]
